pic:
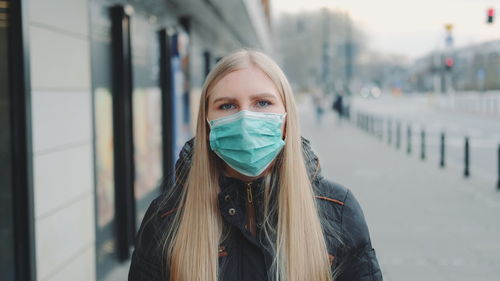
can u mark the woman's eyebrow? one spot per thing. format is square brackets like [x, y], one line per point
[229, 99]
[263, 95]
[257, 96]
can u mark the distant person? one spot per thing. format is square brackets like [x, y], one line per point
[318, 104]
[338, 106]
[249, 201]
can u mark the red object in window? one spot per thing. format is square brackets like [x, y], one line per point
[491, 12]
[449, 62]
[491, 15]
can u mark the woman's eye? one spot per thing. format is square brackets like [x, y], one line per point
[263, 103]
[226, 106]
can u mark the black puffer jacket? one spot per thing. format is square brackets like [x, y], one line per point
[243, 256]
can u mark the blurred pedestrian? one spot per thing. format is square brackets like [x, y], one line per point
[249, 201]
[318, 100]
[338, 107]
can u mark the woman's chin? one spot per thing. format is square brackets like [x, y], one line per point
[230, 172]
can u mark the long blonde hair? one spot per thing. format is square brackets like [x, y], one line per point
[191, 243]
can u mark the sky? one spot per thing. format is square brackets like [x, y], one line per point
[411, 28]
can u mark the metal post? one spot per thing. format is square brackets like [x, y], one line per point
[19, 101]
[124, 169]
[398, 135]
[389, 131]
[422, 142]
[381, 128]
[408, 150]
[372, 124]
[441, 163]
[498, 182]
[466, 158]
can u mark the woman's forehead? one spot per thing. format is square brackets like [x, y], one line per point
[244, 83]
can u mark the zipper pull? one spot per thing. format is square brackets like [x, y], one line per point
[249, 193]
[250, 226]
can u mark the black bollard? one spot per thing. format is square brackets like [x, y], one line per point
[389, 131]
[408, 137]
[363, 122]
[398, 135]
[372, 124]
[498, 182]
[369, 123]
[466, 158]
[422, 144]
[381, 128]
[441, 162]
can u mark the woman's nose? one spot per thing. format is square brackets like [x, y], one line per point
[245, 106]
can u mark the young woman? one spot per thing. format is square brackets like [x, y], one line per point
[249, 201]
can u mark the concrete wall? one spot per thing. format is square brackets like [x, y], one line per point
[62, 140]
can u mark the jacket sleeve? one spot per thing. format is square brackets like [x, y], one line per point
[358, 260]
[146, 263]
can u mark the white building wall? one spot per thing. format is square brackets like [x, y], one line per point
[62, 140]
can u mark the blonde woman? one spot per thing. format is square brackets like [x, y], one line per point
[249, 201]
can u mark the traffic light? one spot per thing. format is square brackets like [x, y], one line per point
[448, 63]
[491, 15]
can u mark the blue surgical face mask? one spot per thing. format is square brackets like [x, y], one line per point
[247, 141]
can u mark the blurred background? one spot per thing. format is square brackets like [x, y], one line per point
[400, 99]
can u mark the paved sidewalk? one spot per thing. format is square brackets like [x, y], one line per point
[426, 223]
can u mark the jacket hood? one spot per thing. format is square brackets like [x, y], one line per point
[311, 160]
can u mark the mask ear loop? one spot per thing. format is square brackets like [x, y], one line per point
[209, 129]
[284, 127]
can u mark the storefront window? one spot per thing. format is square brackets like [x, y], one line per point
[146, 113]
[104, 146]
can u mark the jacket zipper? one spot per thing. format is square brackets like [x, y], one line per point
[250, 211]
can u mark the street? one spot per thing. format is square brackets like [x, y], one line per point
[426, 223]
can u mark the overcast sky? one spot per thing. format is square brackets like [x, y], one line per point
[411, 28]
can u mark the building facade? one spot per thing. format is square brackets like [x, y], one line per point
[96, 99]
